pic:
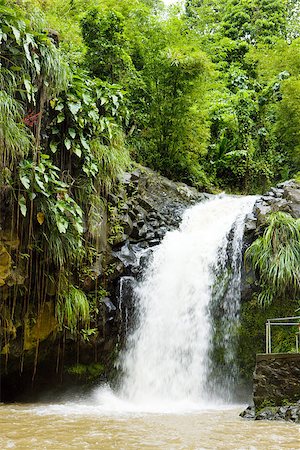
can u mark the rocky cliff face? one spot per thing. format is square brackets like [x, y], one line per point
[33, 351]
[285, 197]
[276, 379]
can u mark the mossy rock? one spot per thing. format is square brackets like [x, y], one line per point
[5, 264]
[45, 324]
[86, 372]
[9, 239]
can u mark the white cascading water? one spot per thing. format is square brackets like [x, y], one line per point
[166, 359]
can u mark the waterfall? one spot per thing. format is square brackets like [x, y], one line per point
[167, 355]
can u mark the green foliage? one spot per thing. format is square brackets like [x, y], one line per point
[289, 135]
[86, 125]
[29, 62]
[72, 307]
[254, 20]
[103, 35]
[251, 332]
[276, 257]
[62, 143]
[59, 216]
[15, 140]
[87, 372]
[171, 129]
[246, 40]
[29, 55]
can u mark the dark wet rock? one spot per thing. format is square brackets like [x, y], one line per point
[292, 195]
[108, 304]
[248, 413]
[127, 224]
[293, 413]
[290, 413]
[261, 211]
[125, 178]
[285, 197]
[135, 175]
[276, 379]
[276, 192]
[153, 207]
[250, 223]
[266, 414]
[143, 231]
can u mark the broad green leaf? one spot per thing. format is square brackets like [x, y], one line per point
[77, 151]
[78, 210]
[28, 85]
[25, 181]
[37, 64]
[72, 132]
[115, 100]
[15, 68]
[59, 107]
[74, 107]
[84, 143]
[62, 225]
[60, 117]
[53, 146]
[67, 143]
[27, 52]
[86, 99]
[78, 227]
[41, 186]
[93, 115]
[22, 204]
[17, 34]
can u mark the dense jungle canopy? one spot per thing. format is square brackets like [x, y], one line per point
[207, 95]
[206, 92]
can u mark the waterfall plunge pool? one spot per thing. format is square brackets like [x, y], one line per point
[84, 425]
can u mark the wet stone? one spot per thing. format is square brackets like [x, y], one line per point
[249, 413]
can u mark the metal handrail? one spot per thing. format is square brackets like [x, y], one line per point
[278, 322]
[285, 318]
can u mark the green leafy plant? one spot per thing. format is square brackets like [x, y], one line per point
[275, 256]
[87, 124]
[15, 138]
[59, 217]
[72, 308]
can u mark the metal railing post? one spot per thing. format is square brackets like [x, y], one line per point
[282, 321]
[270, 344]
